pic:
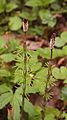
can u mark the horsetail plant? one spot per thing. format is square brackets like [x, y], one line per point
[52, 41]
[25, 29]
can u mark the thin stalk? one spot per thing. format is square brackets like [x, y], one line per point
[25, 29]
[46, 88]
[48, 77]
[24, 77]
[24, 70]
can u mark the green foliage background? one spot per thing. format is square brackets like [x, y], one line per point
[40, 14]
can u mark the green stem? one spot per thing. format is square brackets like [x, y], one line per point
[24, 73]
[46, 88]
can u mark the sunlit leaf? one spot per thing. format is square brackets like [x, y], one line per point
[60, 73]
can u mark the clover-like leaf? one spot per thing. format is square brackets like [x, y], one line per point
[59, 42]
[62, 40]
[64, 36]
[60, 73]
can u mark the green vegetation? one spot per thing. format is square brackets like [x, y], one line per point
[24, 72]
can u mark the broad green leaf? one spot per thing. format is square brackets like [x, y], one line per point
[47, 17]
[55, 6]
[5, 99]
[62, 40]
[50, 117]
[29, 108]
[31, 89]
[15, 23]
[60, 73]
[18, 94]
[63, 72]
[65, 81]
[64, 93]
[44, 52]
[64, 36]
[37, 3]
[59, 42]
[37, 30]
[66, 116]
[2, 5]
[34, 3]
[4, 73]
[47, 2]
[11, 6]
[33, 67]
[64, 50]
[51, 113]
[37, 115]
[2, 42]
[16, 108]
[8, 57]
[28, 15]
[56, 73]
[4, 88]
[57, 53]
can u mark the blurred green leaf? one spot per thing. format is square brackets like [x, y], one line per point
[47, 17]
[64, 93]
[64, 36]
[16, 108]
[15, 23]
[47, 2]
[5, 99]
[29, 108]
[60, 73]
[2, 42]
[64, 50]
[2, 5]
[4, 73]
[60, 41]
[44, 52]
[34, 3]
[11, 6]
[8, 57]
[29, 15]
[4, 88]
